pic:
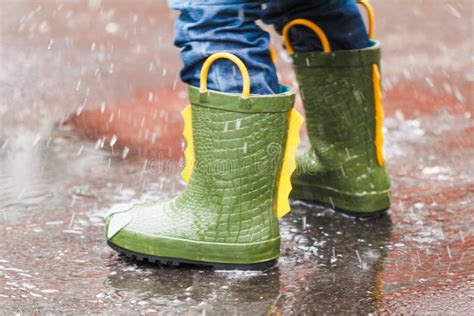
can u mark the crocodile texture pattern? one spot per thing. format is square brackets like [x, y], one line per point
[341, 168]
[226, 213]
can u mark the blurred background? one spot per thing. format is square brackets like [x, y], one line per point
[90, 102]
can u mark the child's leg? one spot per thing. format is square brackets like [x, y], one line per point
[340, 20]
[206, 27]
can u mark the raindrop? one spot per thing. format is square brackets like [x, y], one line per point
[35, 295]
[358, 257]
[113, 140]
[125, 152]
[79, 110]
[44, 27]
[347, 153]
[419, 205]
[36, 140]
[80, 150]
[71, 221]
[458, 95]
[449, 252]
[332, 202]
[333, 257]
[49, 291]
[453, 11]
[112, 27]
[50, 45]
[430, 83]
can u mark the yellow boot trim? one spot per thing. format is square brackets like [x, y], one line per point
[379, 139]
[316, 29]
[236, 60]
[273, 55]
[188, 137]
[288, 166]
[371, 15]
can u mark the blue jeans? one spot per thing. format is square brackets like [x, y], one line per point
[205, 27]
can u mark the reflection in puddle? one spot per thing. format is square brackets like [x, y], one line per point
[329, 263]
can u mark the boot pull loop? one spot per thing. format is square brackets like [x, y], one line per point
[371, 15]
[243, 70]
[319, 32]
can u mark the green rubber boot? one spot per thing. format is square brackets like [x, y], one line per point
[227, 217]
[341, 93]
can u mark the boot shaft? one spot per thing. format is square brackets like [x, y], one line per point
[339, 95]
[238, 147]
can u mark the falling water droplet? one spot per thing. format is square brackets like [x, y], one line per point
[125, 152]
[36, 140]
[79, 110]
[358, 257]
[112, 27]
[80, 150]
[113, 140]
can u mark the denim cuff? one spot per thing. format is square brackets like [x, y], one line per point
[179, 4]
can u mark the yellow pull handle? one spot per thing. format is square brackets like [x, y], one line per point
[371, 15]
[319, 32]
[273, 55]
[243, 70]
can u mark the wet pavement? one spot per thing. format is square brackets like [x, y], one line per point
[89, 116]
